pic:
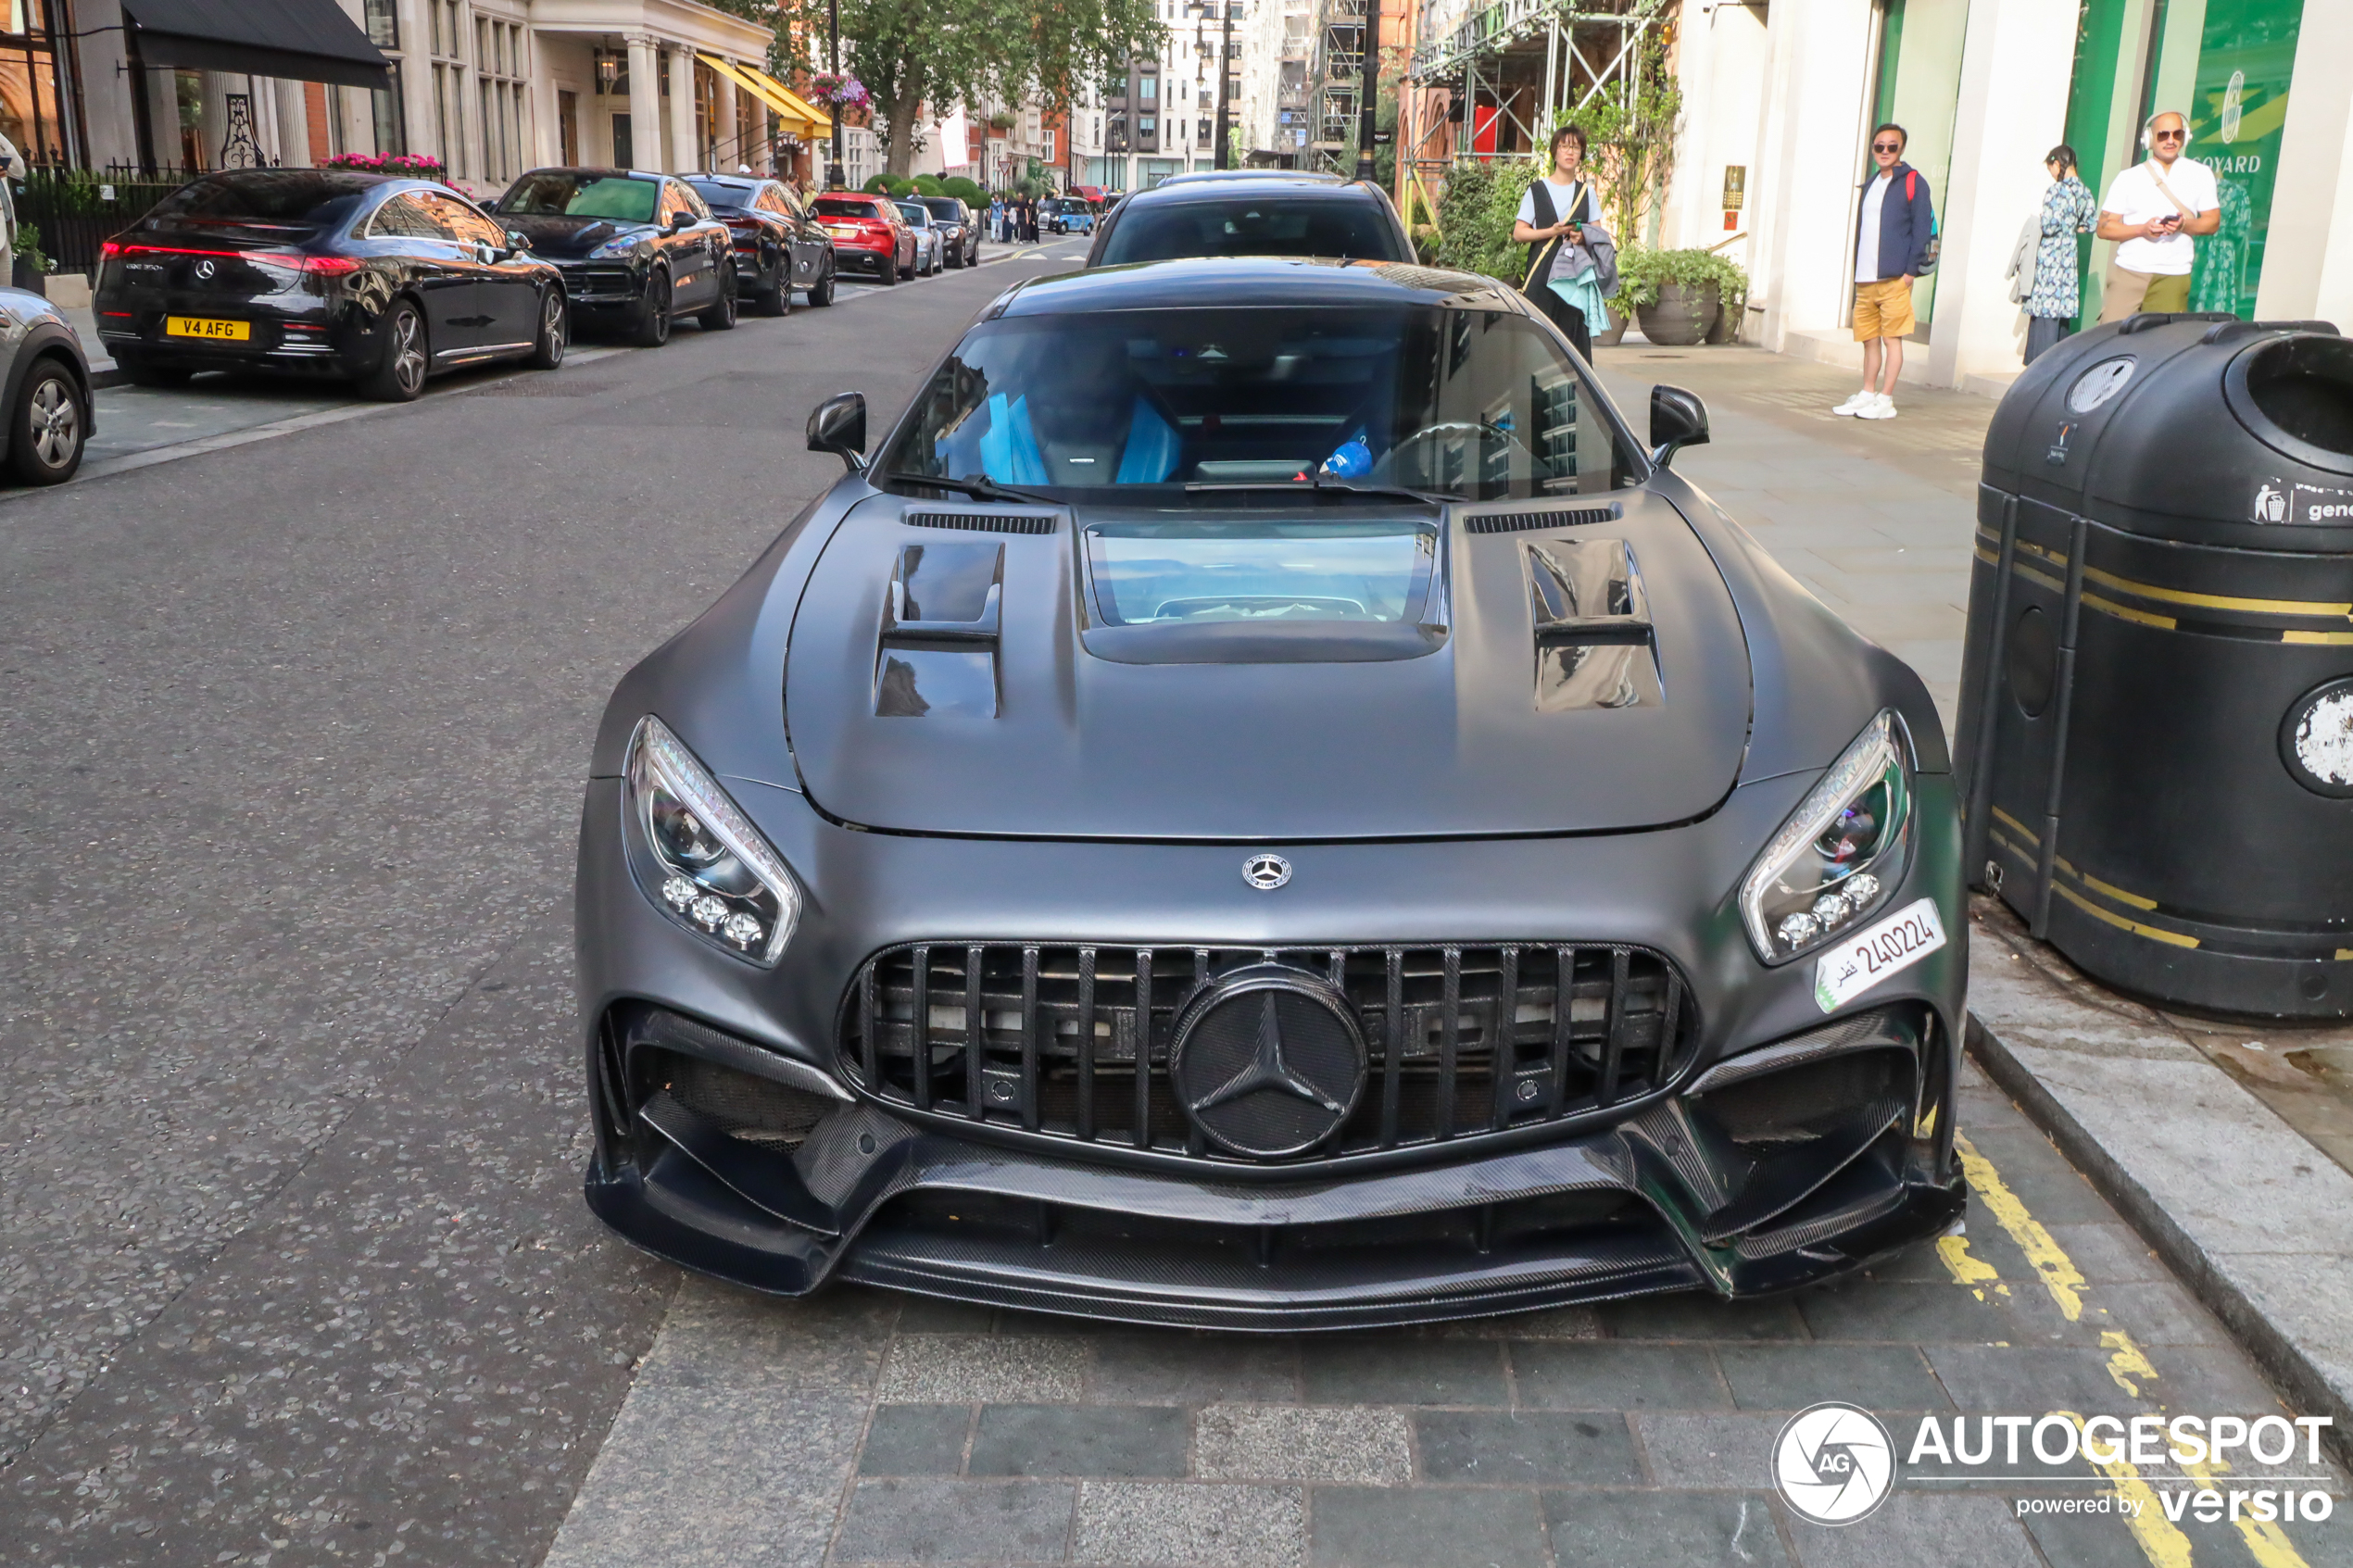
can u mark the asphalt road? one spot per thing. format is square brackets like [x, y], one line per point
[292, 1263]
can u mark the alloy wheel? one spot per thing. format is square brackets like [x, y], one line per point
[551, 329]
[55, 423]
[408, 352]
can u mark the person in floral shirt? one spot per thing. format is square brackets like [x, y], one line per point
[2068, 209]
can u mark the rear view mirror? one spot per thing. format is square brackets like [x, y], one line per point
[681, 219]
[838, 425]
[517, 241]
[1678, 419]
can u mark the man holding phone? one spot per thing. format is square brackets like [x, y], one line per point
[2152, 209]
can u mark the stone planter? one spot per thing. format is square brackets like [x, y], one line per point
[1615, 334]
[26, 276]
[1680, 316]
[1727, 323]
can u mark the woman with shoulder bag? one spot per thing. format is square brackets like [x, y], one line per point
[1559, 221]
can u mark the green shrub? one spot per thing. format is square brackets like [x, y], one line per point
[878, 186]
[929, 185]
[1641, 271]
[1475, 219]
[963, 190]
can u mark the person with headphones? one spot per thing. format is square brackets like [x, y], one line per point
[2152, 208]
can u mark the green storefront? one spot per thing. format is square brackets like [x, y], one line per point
[2224, 63]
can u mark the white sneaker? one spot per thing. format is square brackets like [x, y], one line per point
[1854, 404]
[1880, 406]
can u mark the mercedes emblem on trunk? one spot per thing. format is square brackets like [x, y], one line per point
[1268, 1061]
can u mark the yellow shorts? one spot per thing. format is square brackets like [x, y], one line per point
[1883, 310]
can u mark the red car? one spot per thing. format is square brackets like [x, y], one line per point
[869, 233]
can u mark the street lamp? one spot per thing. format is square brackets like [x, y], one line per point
[833, 31]
[1365, 93]
[1224, 154]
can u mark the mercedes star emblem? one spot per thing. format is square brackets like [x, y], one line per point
[1268, 1061]
[1267, 872]
[204, 269]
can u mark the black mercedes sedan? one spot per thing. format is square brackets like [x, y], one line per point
[382, 280]
[1283, 814]
[636, 250]
[958, 230]
[779, 247]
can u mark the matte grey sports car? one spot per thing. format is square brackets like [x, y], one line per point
[1265, 806]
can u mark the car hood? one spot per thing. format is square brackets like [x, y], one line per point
[570, 236]
[1520, 711]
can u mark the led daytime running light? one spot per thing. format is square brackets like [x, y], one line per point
[1865, 760]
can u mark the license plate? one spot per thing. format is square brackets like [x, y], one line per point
[1870, 956]
[205, 327]
[841, 233]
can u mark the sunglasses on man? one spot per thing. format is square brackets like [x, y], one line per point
[1889, 147]
[2168, 135]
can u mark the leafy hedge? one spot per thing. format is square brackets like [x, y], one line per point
[1475, 219]
[963, 190]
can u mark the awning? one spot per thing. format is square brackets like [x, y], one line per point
[800, 118]
[298, 39]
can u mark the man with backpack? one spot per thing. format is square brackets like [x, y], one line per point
[1895, 244]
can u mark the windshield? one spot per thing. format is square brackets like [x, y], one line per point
[1479, 405]
[554, 193]
[946, 209]
[276, 195]
[914, 214]
[1286, 224]
[837, 206]
[720, 192]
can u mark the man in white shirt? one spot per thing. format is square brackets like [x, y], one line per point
[2152, 208]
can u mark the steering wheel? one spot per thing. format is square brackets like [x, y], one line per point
[1396, 460]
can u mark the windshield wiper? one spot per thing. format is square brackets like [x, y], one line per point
[1292, 486]
[979, 489]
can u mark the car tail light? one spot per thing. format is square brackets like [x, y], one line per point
[324, 266]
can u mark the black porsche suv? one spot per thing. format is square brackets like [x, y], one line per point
[636, 250]
[323, 271]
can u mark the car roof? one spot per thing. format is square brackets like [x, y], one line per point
[599, 173]
[1252, 281]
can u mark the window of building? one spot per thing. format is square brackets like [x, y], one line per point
[1149, 89]
[1146, 126]
[383, 24]
[391, 123]
[499, 79]
[1203, 134]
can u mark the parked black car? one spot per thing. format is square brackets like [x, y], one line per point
[1241, 212]
[1260, 803]
[384, 280]
[778, 247]
[958, 230]
[636, 250]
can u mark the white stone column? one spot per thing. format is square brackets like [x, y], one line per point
[294, 125]
[645, 103]
[421, 126]
[686, 150]
[1805, 187]
[545, 138]
[733, 149]
[2308, 261]
[114, 132]
[2014, 68]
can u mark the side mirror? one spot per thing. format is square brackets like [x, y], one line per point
[838, 425]
[517, 242]
[1678, 419]
[680, 221]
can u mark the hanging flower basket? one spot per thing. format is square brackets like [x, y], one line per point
[407, 166]
[844, 91]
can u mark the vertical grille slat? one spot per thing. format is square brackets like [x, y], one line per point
[1142, 1034]
[1393, 1043]
[976, 1090]
[1450, 1043]
[921, 1028]
[1030, 1112]
[1465, 1041]
[1085, 1109]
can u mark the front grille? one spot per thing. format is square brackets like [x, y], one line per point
[1461, 1041]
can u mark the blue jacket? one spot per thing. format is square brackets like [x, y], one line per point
[1907, 223]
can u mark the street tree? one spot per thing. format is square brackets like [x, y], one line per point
[938, 56]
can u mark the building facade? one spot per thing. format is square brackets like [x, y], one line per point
[1157, 116]
[1778, 105]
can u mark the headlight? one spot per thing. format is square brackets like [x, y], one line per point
[696, 855]
[1840, 854]
[627, 245]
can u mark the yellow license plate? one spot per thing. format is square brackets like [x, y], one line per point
[205, 327]
[841, 233]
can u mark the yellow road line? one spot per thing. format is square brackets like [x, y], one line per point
[2266, 1542]
[1966, 1268]
[2059, 1273]
[2159, 1541]
[2125, 1363]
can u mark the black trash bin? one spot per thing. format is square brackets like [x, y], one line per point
[2157, 717]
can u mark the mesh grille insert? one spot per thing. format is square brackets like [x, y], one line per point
[1519, 522]
[981, 522]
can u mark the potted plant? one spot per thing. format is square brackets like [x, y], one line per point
[1677, 294]
[30, 267]
[843, 91]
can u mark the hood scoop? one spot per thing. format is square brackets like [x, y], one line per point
[1521, 523]
[984, 523]
[940, 630]
[1595, 645]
